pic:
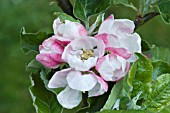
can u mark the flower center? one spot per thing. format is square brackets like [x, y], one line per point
[86, 54]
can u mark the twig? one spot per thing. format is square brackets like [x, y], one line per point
[66, 6]
[139, 21]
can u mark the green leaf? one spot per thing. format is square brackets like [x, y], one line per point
[164, 11]
[34, 66]
[31, 41]
[64, 16]
[145, 46]
[95, 26]
[125, 3]
[165, 110]
[113, 95]
[95, 104]
[44, 100]
[160, 94]
[140, 75]
[126, 111]
[159, 68]
[159, 53]
[83, 9]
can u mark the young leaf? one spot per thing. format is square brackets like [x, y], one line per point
[113, 95]
[140, 75]
[44, 100]
[96, 24]
[164, 11]
[83, 9]
[159, 68]
[160, 94]
[159, 53]
[31, 41]
[125, 3]
[64, 16]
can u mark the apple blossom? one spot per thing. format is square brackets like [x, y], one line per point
[118, 33]
[66, 32]
[112, 67]
[82, 53]
[76, 82]
[50, 53]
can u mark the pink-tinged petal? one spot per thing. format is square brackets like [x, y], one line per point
[47, 61]
[50, 53]
[109, 40]
[99, 62]
[131, 42]
[56, 23]
[72, 30]
[82, 30]
[81, 82]
[68, 31]
[112, 67]
[120, 51]
[122, 26]
[69, 98]
[111, 17]
[106, 26]
[56, 58]
[100, 88]
[59, 79]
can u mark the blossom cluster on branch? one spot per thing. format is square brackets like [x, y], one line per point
[92, 61]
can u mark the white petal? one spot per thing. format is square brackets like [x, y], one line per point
[106, 26]
[100, 88]
[122, 26]
[76, 62]
[59, 79]
[132, 42]
[56, 23]
[69, 98]
[71, 30]
[105, 69]
[81, 82]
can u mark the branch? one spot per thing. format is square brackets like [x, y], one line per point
[66, 6]
[139, 21]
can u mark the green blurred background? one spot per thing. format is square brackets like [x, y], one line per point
[37, 15]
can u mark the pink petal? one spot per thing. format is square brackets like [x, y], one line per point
[48, 60]
[120, 51]
[110, 17]
[109, 40]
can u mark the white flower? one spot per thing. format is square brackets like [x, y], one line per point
[76, 83]
[112, 67]
[118, 33]
[82, 53]
[68, 31]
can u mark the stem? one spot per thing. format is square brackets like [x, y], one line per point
[139, 21]
[66, 6]
[84, 98]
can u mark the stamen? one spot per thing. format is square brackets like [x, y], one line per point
[87, 54]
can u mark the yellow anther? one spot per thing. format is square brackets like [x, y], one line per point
[86, 54]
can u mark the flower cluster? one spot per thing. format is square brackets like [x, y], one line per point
[93, 60]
